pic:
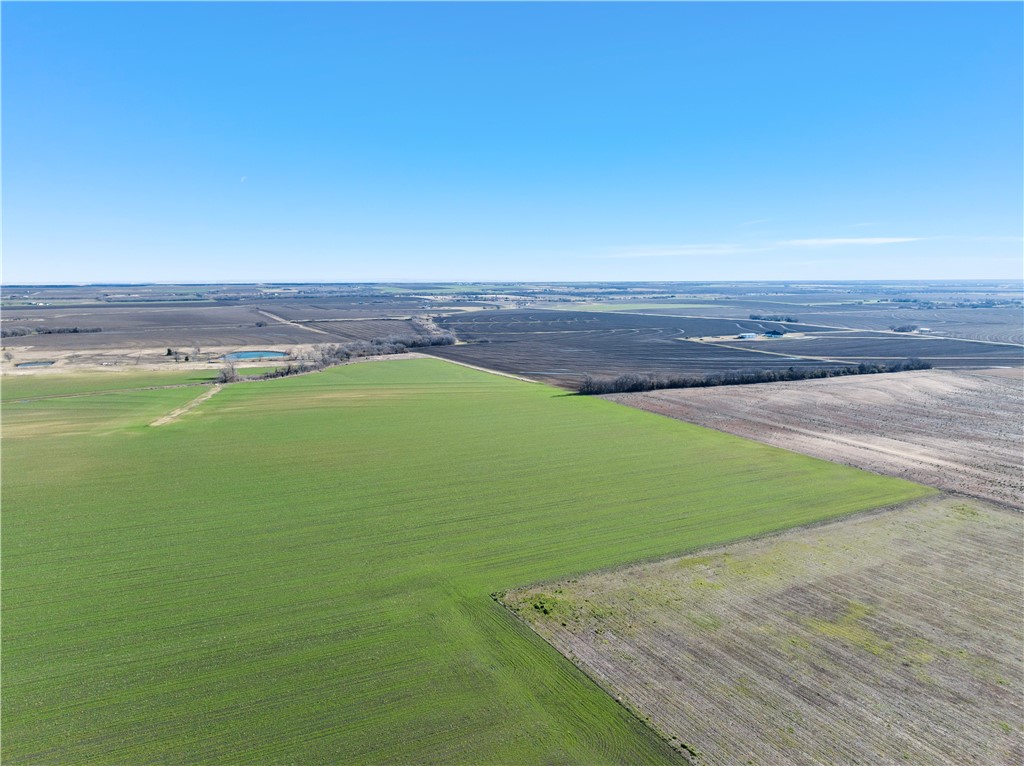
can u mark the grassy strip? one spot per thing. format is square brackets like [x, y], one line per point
[14, 387]
[300, 570]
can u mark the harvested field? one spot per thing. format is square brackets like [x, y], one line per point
[886, 638]
[187, 326]
[1000, 325]
[881, 347]
[561, 346]
[958, 431]
[495, 325]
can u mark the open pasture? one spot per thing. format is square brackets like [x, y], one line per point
[21, 387]
[298, 570]
[885, 638]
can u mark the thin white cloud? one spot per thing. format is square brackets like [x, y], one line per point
[834, 241]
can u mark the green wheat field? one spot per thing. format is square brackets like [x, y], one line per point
[299, 571]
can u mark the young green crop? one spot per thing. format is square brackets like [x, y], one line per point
[299, 570]
[16, 387]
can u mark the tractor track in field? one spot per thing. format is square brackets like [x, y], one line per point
[175, 414]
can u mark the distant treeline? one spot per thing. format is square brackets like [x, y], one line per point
[774, 318]
[633, 382]
[986, 303]
[329, 355]
[17, 332]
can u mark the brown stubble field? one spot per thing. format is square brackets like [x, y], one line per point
[143, 326]
[892, 637]
[958, 431]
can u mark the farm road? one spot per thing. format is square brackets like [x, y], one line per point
[282, 320]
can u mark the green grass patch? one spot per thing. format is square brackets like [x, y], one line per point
[15, 387]
[257, 370]
[850, 628]
[298, 571]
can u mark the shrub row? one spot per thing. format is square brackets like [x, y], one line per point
[17, 332]
[329, 355]
[633, 382]
[774, 318]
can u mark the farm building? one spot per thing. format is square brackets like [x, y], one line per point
[747, 335]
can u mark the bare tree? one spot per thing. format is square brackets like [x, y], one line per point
[228, 373]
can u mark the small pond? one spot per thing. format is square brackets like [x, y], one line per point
[33, 364]
[235, 356]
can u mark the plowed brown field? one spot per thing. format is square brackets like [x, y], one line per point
[958, 431]
[892, 637]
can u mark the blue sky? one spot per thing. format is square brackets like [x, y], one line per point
[533, 141]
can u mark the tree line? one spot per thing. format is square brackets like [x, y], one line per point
[635, 382]
[774, 318]
[330, 354]
[17, 332]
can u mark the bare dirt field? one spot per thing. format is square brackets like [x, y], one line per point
[958, 431]
[889, 637]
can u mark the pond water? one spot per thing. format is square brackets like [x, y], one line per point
[33, 364]
[235, 356]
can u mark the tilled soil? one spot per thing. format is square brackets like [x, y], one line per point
[958, 431]
[886, 638]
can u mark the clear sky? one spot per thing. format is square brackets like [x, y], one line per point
[534, 141]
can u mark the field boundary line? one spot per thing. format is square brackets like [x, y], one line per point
[175, 414]
[500, 596]
[771, 353]
[709, 548]
[483, 369]
[282, 320]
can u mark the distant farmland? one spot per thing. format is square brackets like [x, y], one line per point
[561, 346]
[186, 325]
[884, 638]
[299, 570]
[1000, 324]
